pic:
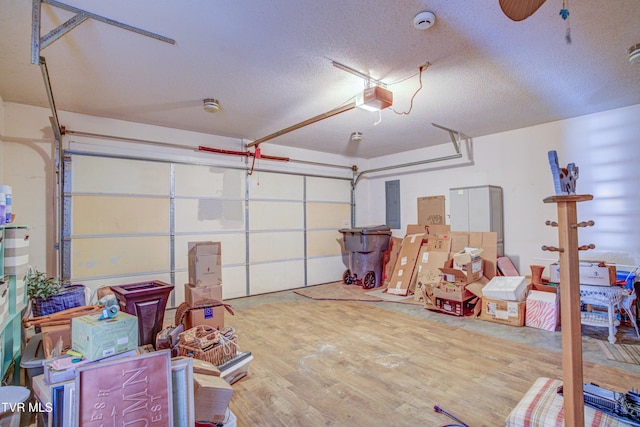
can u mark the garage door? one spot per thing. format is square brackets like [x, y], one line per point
[130, 220]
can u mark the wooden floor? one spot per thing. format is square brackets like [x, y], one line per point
[345, 363]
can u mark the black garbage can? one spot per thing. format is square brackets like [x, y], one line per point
[366, 246]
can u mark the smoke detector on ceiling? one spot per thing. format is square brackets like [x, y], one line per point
[211, 105]
[634, 54]
[424, 20]
[356, 136]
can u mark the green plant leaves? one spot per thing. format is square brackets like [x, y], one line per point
[41, 286]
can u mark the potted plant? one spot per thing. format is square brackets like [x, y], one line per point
[49, 295]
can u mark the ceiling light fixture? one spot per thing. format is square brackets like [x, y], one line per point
[356, 136]
[374, 99]
[211, 105]
[634, 54]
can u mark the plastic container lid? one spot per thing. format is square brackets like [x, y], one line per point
[12, 394]
[371, 229]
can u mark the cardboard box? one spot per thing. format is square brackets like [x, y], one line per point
[488, 241]
[212, 395]
[390, 257]
[96, 339]
[458, 308]
[454, 285]
[205, 263]
[195, 295]
[466, 256]
[542, 310]
[508, 288]
[506, 312]
[591, 273]
[211, 316]
[431, 210]
[405, 265]
[55, 337]
[433, 256]
[438, 230]
[469, 262]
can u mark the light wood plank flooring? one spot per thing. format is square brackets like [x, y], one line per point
[339, 363]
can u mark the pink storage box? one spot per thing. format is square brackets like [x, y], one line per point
[542, 310]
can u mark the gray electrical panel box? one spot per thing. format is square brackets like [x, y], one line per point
[477, 209]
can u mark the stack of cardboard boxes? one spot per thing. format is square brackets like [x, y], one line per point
[204, 289]
[444, 270]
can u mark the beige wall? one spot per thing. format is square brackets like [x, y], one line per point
[604, 146]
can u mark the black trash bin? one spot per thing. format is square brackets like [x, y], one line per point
[367, 246]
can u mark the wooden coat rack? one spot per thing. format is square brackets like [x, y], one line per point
[570, 303]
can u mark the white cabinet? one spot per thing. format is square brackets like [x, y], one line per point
[14, 259]
[477, 209]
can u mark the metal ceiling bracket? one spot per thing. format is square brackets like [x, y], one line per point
[55, 123]
[456, 136]
[38, 43]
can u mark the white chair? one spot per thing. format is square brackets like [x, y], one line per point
[628, 304]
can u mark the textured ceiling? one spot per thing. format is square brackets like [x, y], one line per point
[270, 65]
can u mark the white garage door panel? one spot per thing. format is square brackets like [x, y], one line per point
[276, 215]
[324, 243]
[276, 276]
[232, 245]
[119, 176]
[119, 255]
[325, 270]
[209, 181]
[328, 189]
[276, 246]
[328, 215]
[197, 215]
[265, 185]
[234, 283]
[119, 215]
[124, 226]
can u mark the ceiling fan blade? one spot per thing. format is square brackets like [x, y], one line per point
[519, 10]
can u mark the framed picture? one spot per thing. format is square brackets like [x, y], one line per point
[132, 391]
[182, 386]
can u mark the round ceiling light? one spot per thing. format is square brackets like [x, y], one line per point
[211, 105]
[424, 20]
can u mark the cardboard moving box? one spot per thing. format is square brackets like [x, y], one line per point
[96, 339]
[405, 265]
[205, 263]
[433, 256]
[591, 273]
[194, 295]
[431, 210]
[506, 312]
[212, 395]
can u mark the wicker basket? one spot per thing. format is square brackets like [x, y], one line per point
[69, 297]
[208, 344]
